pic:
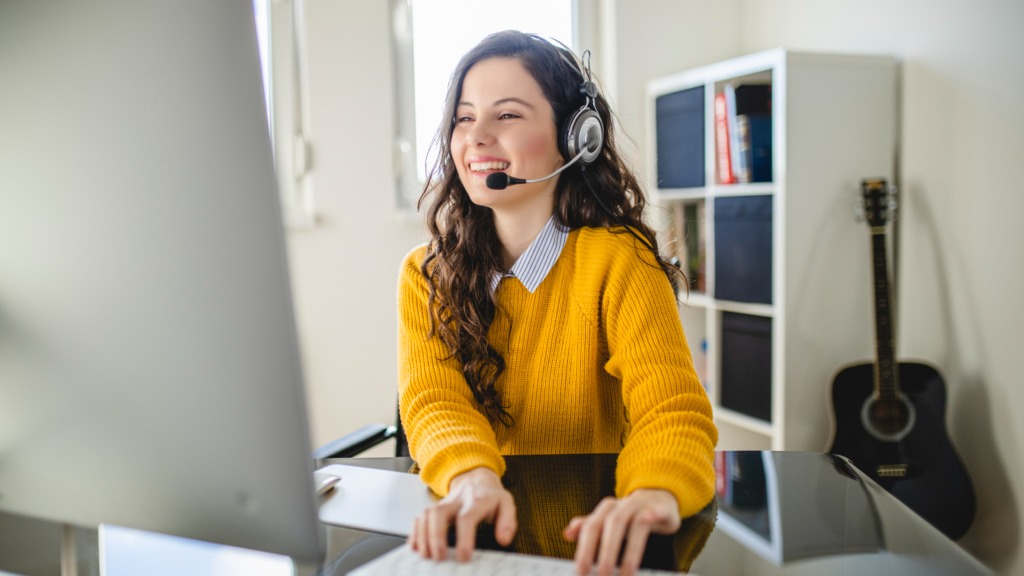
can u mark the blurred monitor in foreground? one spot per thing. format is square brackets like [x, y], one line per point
[149, 368]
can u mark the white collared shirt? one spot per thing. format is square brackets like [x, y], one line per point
[533, 266]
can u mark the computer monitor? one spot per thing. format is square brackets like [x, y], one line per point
[149, 366]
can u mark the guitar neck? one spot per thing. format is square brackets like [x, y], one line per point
[886, 375]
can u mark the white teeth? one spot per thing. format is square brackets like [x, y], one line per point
[485, 166]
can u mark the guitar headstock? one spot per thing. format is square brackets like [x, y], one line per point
[877, 202]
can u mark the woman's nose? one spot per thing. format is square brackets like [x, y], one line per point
[480, 133]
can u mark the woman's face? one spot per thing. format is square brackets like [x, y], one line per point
[504, 123]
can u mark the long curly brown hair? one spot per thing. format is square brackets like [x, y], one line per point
[465, 252]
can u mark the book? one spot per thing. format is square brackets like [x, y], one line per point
[694, 237]
[757, 146]
[723, 155]
[743, 148]
[744, 102]
[737, 161]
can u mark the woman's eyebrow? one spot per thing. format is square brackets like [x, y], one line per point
[514, 100]
[499, 102]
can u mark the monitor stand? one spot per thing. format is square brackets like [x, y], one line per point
[68, 550]
[36, 546]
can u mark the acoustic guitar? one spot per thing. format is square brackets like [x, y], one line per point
[890, 417]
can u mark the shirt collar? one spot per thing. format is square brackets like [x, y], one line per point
[533, 266]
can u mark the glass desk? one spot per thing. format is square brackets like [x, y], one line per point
[777, 513]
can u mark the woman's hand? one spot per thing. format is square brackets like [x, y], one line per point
[601, 534]
[473, 497]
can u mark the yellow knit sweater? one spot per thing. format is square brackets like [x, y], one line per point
[595, 362]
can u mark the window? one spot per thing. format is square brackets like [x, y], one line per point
[280, 32]
[430, 36]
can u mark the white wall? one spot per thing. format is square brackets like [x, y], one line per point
[961, 241]
[960, 215]
[346, 269]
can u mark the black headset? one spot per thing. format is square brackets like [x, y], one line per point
[581, 140]
[582, 131]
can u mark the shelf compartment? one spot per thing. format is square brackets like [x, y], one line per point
[686, 241]
[743, 249]
[745, 369]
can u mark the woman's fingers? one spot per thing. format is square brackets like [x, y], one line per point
[438, 519]
[414, 536]
[499, 510]
[589, 535]
[621, 528]
[636, 542]
[613, 532]
[468, 518]
[476, 496]
[505, 522]
[572, 530]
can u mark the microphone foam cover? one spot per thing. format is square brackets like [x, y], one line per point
[497, 181]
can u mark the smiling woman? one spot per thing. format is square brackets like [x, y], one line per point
[541, 318]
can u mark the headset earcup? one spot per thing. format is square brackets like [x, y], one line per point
[574, 135]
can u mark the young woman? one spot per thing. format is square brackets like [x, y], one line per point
[540, 319]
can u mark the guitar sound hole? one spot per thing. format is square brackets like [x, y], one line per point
[889, 416]
[888, 419]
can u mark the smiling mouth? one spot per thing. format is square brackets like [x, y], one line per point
[487, 166]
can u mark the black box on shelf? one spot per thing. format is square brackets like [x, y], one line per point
[755, 99]
[743, 249]
[746, 374]
[680, 138]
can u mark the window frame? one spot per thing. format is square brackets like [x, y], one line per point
[288, 110]
[408, 185]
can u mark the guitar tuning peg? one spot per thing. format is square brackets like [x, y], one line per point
[858, 209]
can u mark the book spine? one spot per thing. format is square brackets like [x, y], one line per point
[743, 149]
[677, 233]
[735, 153]
[722, 152]
[760, 154]
[700, 231]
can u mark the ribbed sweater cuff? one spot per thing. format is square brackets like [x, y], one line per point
[455, 460]
[692, 488]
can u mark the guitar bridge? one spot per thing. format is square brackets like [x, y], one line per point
[892, 470]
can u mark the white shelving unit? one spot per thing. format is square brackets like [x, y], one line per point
[833, 122]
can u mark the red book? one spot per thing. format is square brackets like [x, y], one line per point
[722, 151]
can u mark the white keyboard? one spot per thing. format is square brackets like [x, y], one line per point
[402, 561]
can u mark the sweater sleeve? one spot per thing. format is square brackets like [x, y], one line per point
[672, 436]
[447, 433]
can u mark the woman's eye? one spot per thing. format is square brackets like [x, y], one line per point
[463, 119]
[508, 116]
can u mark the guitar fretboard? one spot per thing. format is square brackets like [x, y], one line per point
[886, 380]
